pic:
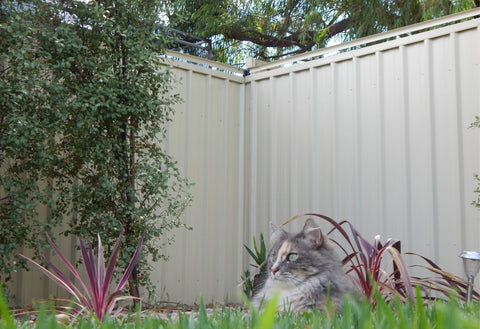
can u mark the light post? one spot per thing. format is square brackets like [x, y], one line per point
[471, 264]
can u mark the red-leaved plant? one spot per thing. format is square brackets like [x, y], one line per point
[96, 297]
[442, 283]
[365, 263]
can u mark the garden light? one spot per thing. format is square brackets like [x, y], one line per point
[471, 263]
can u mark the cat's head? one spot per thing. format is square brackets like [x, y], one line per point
[295, 257]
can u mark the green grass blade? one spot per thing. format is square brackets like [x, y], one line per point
[267, 317]
[6, 317]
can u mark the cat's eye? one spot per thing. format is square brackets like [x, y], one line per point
[291, 257]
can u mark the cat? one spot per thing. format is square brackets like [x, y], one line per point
[304, 270]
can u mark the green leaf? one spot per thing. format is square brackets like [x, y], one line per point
[6, 317]
[267, 317]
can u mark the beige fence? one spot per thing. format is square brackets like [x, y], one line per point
[373, 131]
[378, 136]
[207, 138]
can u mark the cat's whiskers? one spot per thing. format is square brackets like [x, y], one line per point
[287, 277]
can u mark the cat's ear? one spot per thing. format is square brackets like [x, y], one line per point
[276, 233]
[309, 223]
[312, 231]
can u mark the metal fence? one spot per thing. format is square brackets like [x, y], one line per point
[377, 135]
[374, 131]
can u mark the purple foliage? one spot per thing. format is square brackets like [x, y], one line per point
[365, 263]
[95, 297]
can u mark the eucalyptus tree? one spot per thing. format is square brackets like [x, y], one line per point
[272, 29]
[85, 102]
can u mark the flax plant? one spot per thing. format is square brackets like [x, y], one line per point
[94, 297]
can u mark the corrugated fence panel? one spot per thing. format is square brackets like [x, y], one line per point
[419, 162]
[205, 139]
[467, 66]
[377, 136]
[322, 145]
[367, 123]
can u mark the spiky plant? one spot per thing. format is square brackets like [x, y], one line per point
[95, 296]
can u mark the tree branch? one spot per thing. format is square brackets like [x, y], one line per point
[292, 40]
[262, 39]
[337, 27]
[288, 16]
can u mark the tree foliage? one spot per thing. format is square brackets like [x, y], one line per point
[272, 29]
[84, 109]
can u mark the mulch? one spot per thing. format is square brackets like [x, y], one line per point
[164, 311]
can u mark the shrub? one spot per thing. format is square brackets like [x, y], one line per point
[85, 103]
[96, 297]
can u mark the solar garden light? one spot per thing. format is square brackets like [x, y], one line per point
[471, 264]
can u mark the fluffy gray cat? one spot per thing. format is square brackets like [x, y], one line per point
[303, 269]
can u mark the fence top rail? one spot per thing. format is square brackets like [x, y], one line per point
[385, 36]
[206, 63]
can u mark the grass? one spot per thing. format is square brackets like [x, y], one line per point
[450, 314]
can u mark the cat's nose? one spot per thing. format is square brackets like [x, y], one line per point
[274, 270]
